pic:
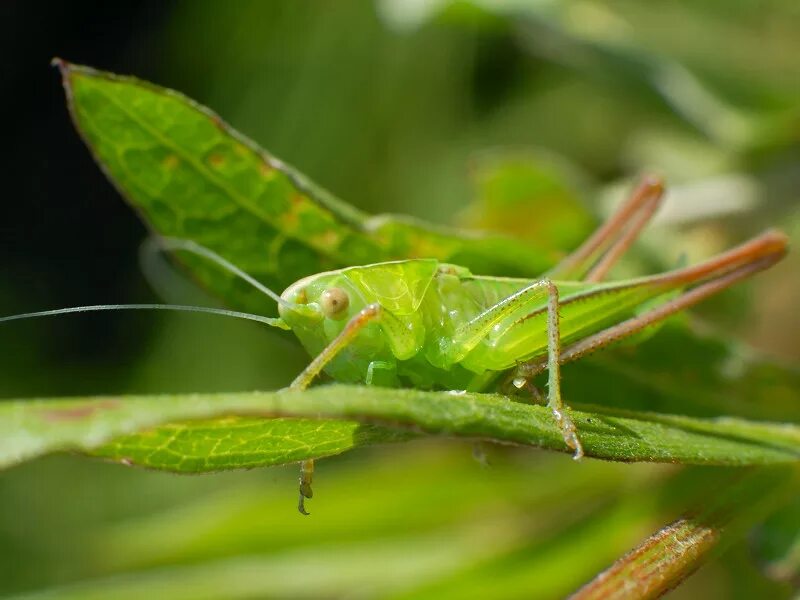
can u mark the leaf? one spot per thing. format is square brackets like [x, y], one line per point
[191, 176]
[143, 430]
[664, 560]
[243, 442]
[532, 195]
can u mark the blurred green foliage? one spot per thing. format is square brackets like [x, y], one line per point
[388, 107]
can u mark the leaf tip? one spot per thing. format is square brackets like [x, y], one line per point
[62, 65]
[65, 69]
[68, 69]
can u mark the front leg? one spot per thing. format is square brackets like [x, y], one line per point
[368, 315]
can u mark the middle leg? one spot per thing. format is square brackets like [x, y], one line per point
[554, 400]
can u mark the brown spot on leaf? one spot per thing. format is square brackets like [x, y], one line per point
[170, 162]
[74, 413]
[289, 220]
[329, 239]
[216, 160]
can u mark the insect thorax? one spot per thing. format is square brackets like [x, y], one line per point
[424, 303]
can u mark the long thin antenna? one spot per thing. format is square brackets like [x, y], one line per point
[195, 248]
[175, 307]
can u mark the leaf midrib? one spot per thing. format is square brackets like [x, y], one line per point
[209, 176]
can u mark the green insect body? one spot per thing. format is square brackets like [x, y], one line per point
[443, 327]
[424, 323]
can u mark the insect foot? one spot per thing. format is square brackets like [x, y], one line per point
[570, 433]
[306, 474]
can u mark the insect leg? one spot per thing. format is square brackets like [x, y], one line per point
[507, 314]
[357, 323]
[595, 257]
[368, 315]
[306, 477]
[713, 276]
[554, 401]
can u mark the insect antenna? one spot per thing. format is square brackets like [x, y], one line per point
[172, 244]
[169, 244]
[273, 322]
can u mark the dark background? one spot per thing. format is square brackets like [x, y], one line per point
[55, 194]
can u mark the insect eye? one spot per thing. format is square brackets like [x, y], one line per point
[334, 302]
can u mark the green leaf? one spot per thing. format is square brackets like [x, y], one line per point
[143, 430]
[191, 176]
[243, 442]
[665, 559]
[532, 195]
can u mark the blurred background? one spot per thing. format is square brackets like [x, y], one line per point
[445, 110]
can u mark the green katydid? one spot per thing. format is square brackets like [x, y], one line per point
[425, 323]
